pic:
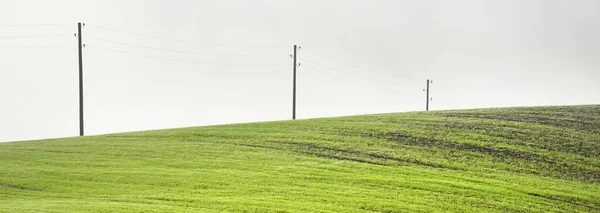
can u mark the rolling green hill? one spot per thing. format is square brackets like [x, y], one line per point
[526, 159]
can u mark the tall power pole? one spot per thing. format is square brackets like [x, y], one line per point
[294, 95]
[80, 47]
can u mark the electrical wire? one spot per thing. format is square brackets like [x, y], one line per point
[358, 67]
[36, 36]
[179, 60]
[175, 51]
[352, 82]
[183, 41]
[370, 79]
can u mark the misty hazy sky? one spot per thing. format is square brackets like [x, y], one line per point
[479, 53]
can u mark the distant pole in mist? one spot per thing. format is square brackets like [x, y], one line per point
[427, 95]
[294, 95]
[80, 47]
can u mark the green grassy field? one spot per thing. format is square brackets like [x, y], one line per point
[528, 159]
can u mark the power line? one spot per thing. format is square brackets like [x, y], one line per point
[373, 80]
[184, 41]
[358, 67]
[352, 82]
[37, 36]
[176, 51]
[185, 61]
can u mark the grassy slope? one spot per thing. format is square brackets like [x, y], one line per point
[512, 159]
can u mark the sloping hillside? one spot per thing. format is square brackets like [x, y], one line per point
[539, 159]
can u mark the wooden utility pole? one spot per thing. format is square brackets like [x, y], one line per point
[80, 47]
[294, 95]
[427, 95]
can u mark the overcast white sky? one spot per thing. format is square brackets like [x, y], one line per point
[480, 53]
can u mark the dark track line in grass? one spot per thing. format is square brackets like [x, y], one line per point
[343, 158]
[11, 186]
[589, 206]
[503, 153]
[256, 146]
[320, 151]
[516, 136]
[571, 171]
[310, 153]
[582, 125]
